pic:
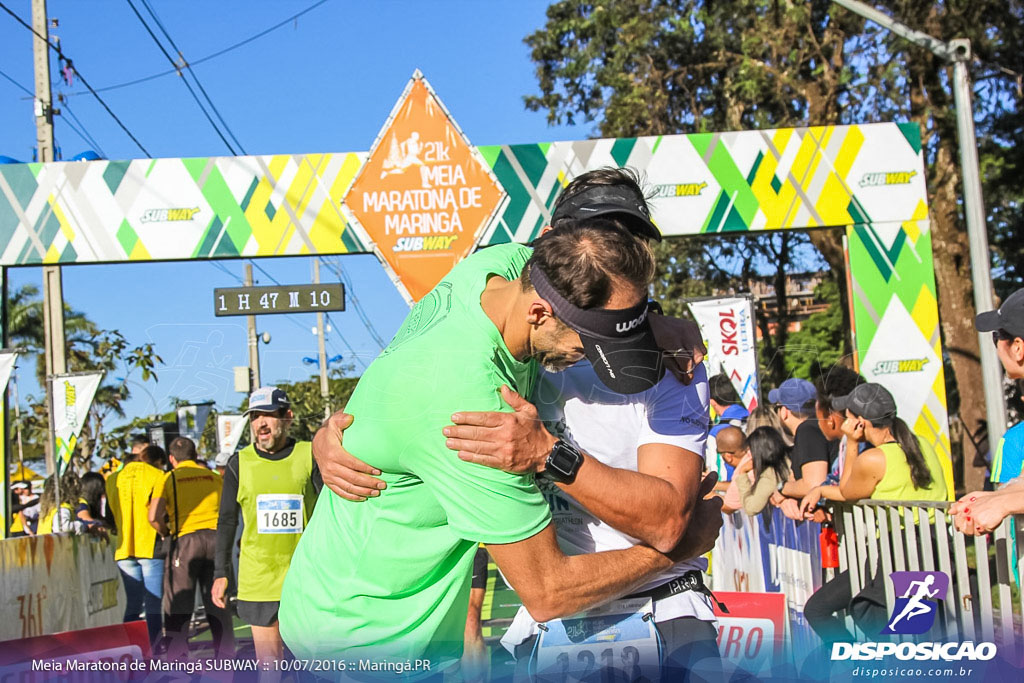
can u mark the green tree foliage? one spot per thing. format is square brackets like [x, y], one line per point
[820, 338]
[651, 67]
[88, 348]
[309, 406]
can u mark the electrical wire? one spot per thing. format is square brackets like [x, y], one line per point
[260, 268]
[183, 79]
[191, 71]
[18, 85]
[351, 293]
[208, 57]
[222, 267]
[81, 77]
[91, 140]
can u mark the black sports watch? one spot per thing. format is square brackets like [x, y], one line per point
[563, 462]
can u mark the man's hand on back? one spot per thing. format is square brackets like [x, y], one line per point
[513, 442]
[343, 473]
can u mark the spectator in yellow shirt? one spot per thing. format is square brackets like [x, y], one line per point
[138, 553]
[185, 507]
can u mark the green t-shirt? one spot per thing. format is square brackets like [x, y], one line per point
[389, 577]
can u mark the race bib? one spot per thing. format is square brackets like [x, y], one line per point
[279, 513]
[612, 642]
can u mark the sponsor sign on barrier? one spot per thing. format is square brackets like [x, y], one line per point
[57, 582]
[752, 636]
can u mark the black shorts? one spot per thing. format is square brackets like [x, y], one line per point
[257, 613]
[480, 569]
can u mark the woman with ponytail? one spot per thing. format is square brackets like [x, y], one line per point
[899, 466]
[896, 467]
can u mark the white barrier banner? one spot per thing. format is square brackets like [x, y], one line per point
[57, 582]
[728, 328]
[192, 420]
[72, 398]
[736, 563]
[229, 432]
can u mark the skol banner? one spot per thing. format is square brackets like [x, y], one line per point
[728, 327]
[192, 420]
[229, 431]
[424, 196]
[72, 398]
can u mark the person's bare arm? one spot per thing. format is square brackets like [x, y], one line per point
[862, 475]
[344, 474]
[811, 474]
[158, 516]
[652, 504]
[552, 585]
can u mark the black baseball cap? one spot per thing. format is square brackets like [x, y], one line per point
[619, 343]
[1008, 317]
[607, 200]
[870, 401]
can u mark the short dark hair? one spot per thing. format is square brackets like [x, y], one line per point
[834, 381]
[721, 389]
[584, 259]
[183, 448]
[154, 455]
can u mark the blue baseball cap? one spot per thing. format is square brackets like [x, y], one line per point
[794, 394]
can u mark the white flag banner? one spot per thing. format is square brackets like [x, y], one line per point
[7, 359]
[192, 420]
[728, 328]
[229, 432]
[72, 398]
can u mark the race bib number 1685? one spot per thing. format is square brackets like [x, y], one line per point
[279, 513]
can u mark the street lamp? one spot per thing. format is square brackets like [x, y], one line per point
[958, 53]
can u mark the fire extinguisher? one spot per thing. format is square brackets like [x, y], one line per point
[829, 546]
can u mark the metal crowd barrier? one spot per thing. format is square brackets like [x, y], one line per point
[902, 537]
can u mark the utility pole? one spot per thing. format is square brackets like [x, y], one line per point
[325, 391]
[53, 296]
[958, 53]
[254, 349]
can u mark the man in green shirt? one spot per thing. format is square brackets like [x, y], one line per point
[388, 580]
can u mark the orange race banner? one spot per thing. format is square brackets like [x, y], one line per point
[425, 195]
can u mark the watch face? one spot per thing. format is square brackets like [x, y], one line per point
[564, 460]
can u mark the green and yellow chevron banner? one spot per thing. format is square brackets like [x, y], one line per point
[868, 179]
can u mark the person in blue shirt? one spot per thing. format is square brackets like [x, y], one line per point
[1007, 327]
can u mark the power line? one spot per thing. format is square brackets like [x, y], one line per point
[19, 85]
[91, 140]
[351, 292]
[81, 77]
[222, 267]
[183, 79]
[260, 268]
[209, 56]
[195, 77]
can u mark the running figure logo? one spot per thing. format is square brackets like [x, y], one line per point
[916, 595]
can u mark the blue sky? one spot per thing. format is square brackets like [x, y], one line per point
[322, 83]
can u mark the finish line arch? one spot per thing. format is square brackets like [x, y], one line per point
[868, 179]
